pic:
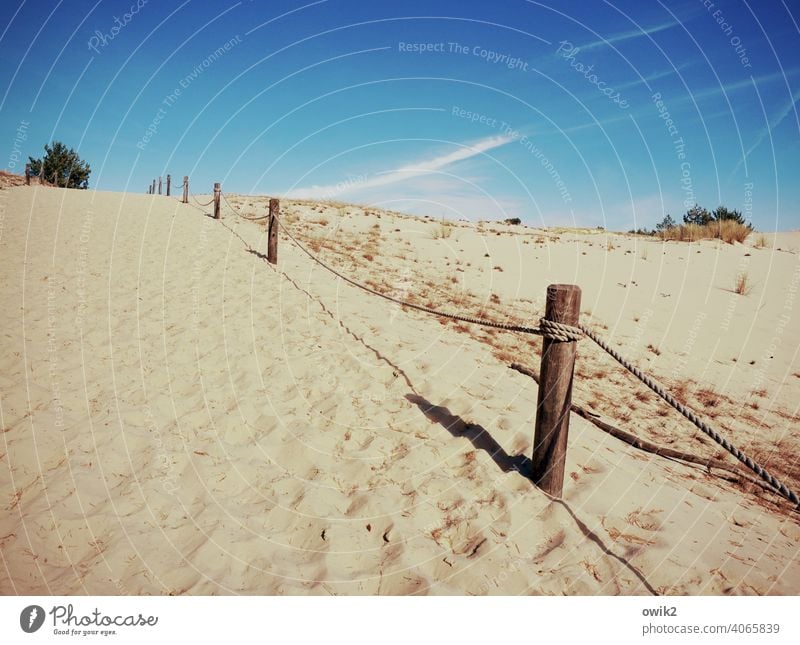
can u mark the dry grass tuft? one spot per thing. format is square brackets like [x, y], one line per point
[442, 231]
[708, 398]
[654, 349]
[727, 230]
[742, 287]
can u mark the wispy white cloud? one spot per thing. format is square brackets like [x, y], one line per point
[630, 35]
[747, 83]
[769, 131]
[654, 77]
[444, 195]
[404, 173]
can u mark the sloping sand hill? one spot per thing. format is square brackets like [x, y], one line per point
[179, 417]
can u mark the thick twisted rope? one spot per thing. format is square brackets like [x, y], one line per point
[547, 328]
[697, 421]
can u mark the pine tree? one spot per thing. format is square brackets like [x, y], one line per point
[666, 223]
[61, 166]
[697, 215]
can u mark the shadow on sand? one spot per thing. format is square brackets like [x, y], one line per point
[477, 435]
[482, 440]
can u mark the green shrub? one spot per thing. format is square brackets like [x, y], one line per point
[61, 166]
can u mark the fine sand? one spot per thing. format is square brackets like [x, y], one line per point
[179, 417]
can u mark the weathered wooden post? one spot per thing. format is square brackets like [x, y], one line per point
[217, 192]
[159, 185]
[272, 235]
[169, 181]
[27, 174]
[185, 189]
[153, 190]
[555, 392]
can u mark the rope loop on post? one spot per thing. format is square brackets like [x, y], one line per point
[559, 332]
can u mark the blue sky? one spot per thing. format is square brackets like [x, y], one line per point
[561, 113]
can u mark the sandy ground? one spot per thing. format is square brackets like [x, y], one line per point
[179, 417]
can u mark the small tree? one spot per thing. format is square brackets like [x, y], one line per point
[697, 215]
[61, 166]
[665, 224]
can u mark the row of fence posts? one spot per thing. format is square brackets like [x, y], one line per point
[556, 369]
[151, 188]
[274, 212]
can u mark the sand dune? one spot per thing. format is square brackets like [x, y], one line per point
[179, 417]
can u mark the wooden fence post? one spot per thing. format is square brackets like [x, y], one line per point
[185, 189]
[272, 236]
[555, 392]
[169, 181]
[27, 174]
[159, 185]
[153, 190]
[217, 191]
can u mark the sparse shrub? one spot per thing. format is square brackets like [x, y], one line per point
[513, 220]
[442, 231]
[761, 241]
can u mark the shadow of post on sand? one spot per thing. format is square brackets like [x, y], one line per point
[476, 434]
[482, 440]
